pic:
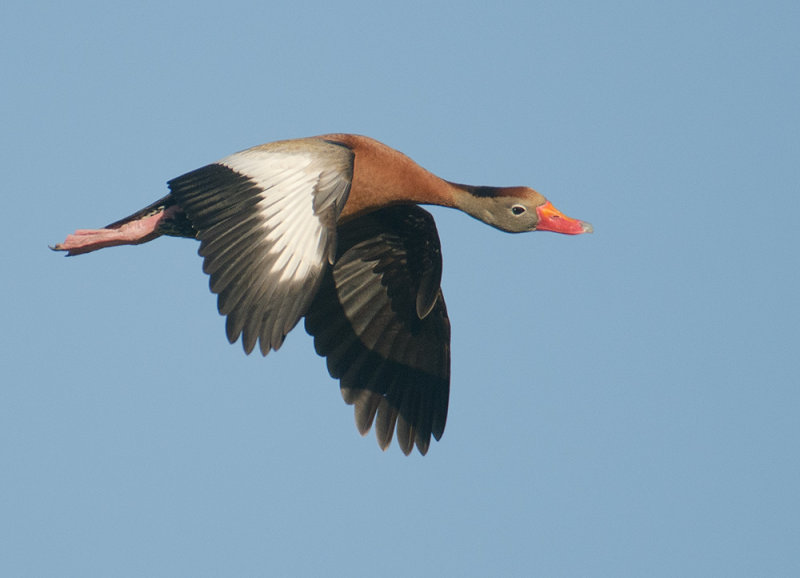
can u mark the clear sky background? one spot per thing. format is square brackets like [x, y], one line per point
[623, 404]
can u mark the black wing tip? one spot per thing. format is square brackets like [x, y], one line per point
[365, 408]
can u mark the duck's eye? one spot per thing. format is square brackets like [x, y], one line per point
[518, 209]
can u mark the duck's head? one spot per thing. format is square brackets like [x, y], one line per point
[517, 210]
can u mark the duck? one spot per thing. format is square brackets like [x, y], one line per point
[329, 229]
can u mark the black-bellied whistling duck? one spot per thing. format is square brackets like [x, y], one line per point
[329, 228]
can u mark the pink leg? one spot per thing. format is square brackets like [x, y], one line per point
[131, 233]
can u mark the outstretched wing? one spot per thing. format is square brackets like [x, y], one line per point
[380, 319]
[266, 220]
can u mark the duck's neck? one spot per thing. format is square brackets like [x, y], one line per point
[383, 176]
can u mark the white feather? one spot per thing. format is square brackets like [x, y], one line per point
[289, 182]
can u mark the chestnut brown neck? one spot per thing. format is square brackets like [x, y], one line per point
[383, 176]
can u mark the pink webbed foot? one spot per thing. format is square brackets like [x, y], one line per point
[130, 233]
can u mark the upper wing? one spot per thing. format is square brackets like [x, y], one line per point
[266, 219]
[380, 319]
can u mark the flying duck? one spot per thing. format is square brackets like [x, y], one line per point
[329, 228]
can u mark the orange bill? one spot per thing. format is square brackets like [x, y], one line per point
[551, 219]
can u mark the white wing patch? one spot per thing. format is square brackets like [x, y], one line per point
[290, 225]
[266, 219]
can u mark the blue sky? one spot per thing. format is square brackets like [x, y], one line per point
[622, 404]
